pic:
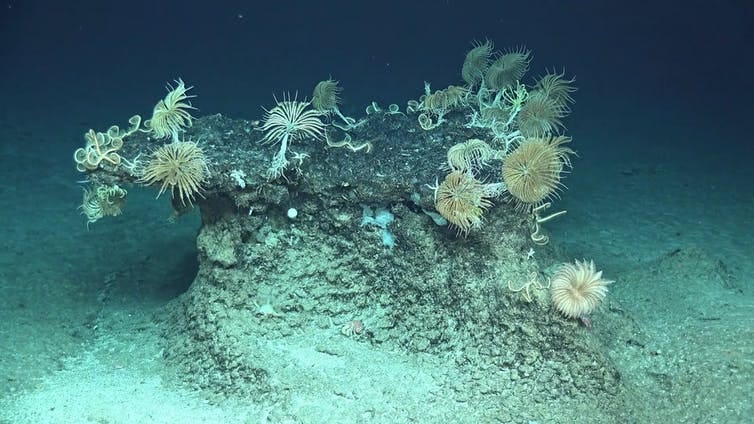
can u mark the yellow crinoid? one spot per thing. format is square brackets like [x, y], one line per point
[171, 115]
[532, 172]
[180, 166]
[462, 199]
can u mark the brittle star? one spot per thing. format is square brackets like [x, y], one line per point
[533, 281]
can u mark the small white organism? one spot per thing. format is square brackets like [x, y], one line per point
[238, 176]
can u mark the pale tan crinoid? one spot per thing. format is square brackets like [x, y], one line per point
[556, 87]
[470, 155]
[442, 101]
[455, 96]
[102, 201]
[532, 172]
[508, 69]
[577, 289]
[462, 200]
[171, 115]
[102, 148]
[181, 166]
[326, 98]
[326, 95]
[541, 115]
[476, 63]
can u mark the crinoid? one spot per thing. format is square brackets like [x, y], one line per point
[102, 148]
[541, 115]
[556, 87]
[476, 63]
[180, 166]
[578, 288]
[470, 156]
[532, 172]
[462, 200]
[508, 68]
[171, 115]
[289, 120]
[102, 201]
[326, 98]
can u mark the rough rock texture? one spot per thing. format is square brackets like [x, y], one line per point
[276, 298]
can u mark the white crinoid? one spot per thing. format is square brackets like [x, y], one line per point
[289, 120]
[578, 288]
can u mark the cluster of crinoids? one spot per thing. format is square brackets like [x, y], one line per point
[179, 165]
[526, 150]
